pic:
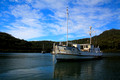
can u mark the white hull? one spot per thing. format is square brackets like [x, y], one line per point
[75, 53]
[76, 56]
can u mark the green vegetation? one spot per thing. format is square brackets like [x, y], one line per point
[9, 43]
[108, 41]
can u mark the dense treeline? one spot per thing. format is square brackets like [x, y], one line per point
[108, 41]
[9, 43]
[42, 46]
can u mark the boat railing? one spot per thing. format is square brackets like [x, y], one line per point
[96, 50]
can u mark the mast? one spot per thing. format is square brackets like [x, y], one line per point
[67, 27]
[90, 34]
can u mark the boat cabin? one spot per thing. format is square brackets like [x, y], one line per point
[84, 47]
[87, 47]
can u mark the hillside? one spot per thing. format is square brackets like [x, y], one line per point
[109, 41]
[9, 43]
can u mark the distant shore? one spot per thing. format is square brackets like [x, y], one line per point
[108, 41]
[111, 51]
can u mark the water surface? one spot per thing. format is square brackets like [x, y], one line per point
[36, 66]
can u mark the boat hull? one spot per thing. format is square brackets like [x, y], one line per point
[66, 57]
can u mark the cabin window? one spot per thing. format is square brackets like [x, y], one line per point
[86, 46]
[81, 47]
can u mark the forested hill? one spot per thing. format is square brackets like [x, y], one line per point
[9, 43]
[108, 41]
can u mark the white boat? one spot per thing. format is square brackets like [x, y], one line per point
[43, 51]
[76, 51]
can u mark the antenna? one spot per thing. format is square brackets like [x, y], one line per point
[90, 33]
[67, 27]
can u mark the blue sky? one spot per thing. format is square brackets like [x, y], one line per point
[35, 20]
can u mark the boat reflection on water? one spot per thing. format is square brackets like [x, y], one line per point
[77, 70]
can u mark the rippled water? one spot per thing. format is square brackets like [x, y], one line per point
[36, 66]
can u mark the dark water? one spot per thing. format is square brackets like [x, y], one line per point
[35, 66]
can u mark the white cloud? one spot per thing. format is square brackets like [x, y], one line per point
[14, 0]
[29, 1]
[91, 2]
[51, 4]
[27, 24]
[26, 33]
[25, 11]
[32, 22]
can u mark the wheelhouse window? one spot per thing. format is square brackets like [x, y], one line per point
[86, 46]
[81, 47]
